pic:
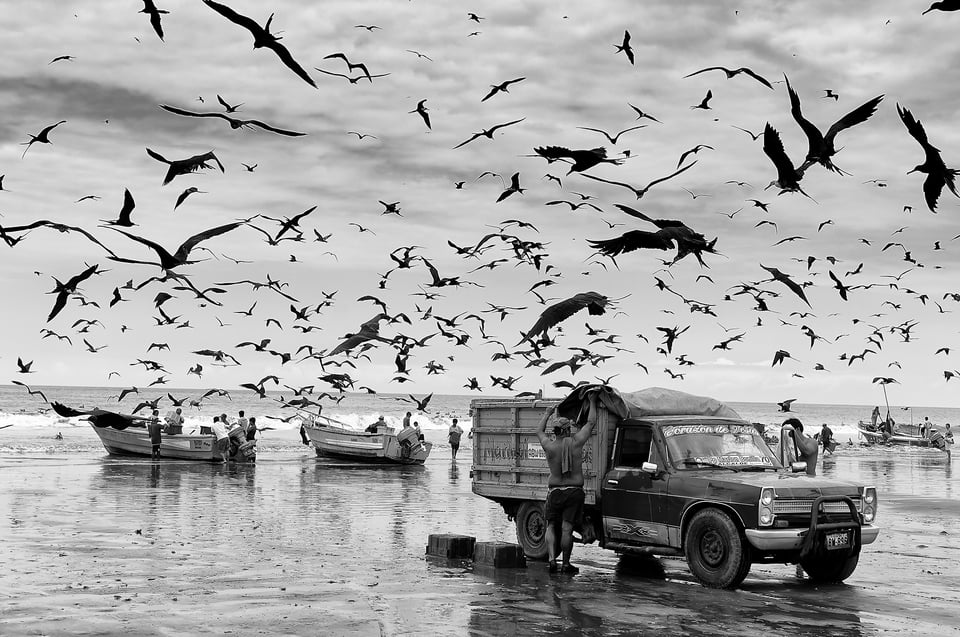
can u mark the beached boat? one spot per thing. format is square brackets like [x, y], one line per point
[135, 441]
[126, 435]
[874, 436]
[383, 446]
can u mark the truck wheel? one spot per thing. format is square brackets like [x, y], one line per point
[716, 552]
[824, 572]
[531, 530]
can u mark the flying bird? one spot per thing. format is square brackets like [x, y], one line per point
[262, 38]
[704, 103]
[350, 65]
[24, 368]
[640, 192]
[151, 10]
[123, 219]
[938, 175]
[580, 159]
[512, 188]
[41, 137]
[32, 392]
[488, 132]
[731, 73]
[624, 46]
[788, 176]
[421, 109]
[501, 87]
[612, 138]
[186, 193]
[642, 114]
[595, 303]
[780, 276]
[820, 146]
[235, 123]
[181, 256]
[64, 290]
[671, 233]
[186, 166]
[696, 149]
[945, 5]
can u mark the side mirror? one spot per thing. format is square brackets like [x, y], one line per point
[653, 469]
[798, 467]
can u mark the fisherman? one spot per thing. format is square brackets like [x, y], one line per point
[826, 439]
[241, 420]
[223, 438]
[250, 433]
[174, 421]
[154, 429]
[565, 496]
[875, 416]
[453, 437]
[372, 428]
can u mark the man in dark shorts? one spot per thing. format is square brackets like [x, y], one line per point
[154, 429]
[565, 496]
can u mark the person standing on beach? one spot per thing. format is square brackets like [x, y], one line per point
[406, 420]
[826, 439]
[223, 438]
[154, 429]
[808, 449]
[565, 496]
[875, 416]
[453, 437]
[926, 427]
[250, 432]
[241, 420]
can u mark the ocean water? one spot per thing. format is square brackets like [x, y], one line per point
[33, 425]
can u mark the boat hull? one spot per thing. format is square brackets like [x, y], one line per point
[379, 448]
[135, 441]
[897, 439]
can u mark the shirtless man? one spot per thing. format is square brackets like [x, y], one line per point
[565, 495]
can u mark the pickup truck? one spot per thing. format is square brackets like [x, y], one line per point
[672, 474]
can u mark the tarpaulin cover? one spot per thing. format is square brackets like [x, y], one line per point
[652, 401]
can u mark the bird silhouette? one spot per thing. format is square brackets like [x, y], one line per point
[778, 275]
[185, 166]
[946, 5]
[262, 38]
[788, 176]
[512, 188]
[181, 256]
[123, 219]
[501, 88]
[594, 302]
[580, 159]
[421, 109]
[350, 78]
[731, 73]
[612, 138]
[24, 368]
[32, 392]
[41, 137]
[64, 290]
[820, 147]
[640, 192]
[704, 103]
[488, 132]
[186, 193]
[235, 123]
[151, 10]
[938, 175]
[624, 46]
[671, 233]
[693, 151]
[642, 114]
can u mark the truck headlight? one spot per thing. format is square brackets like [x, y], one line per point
[765, 515]
[869, 504]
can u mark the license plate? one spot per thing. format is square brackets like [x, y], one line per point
[838, 540]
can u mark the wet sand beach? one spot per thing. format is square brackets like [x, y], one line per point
[296, 545]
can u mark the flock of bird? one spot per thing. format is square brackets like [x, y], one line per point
[394, 336]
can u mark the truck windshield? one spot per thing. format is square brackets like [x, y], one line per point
[693, 446]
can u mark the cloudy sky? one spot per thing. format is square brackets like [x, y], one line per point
[119, 71]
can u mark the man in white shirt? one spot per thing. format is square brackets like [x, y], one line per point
[223, 439]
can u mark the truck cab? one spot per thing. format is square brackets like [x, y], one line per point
[704, 487]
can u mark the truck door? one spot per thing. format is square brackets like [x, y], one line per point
[632, 498]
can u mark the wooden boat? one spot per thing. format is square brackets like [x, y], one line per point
[898, 438]
[135, 441]
[383, 446]
[126, 435]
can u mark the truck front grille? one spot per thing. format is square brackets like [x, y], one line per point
[785, 506]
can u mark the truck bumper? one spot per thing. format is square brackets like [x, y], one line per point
[790, 539]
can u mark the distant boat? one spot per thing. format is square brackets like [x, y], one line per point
[383, 446]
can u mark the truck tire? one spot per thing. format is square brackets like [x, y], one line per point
[531, 530]
[833, 572]
[717, 553]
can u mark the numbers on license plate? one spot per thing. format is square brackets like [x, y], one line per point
[838, 540]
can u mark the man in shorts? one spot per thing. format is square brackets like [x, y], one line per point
[564, 507]
[154, 429]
